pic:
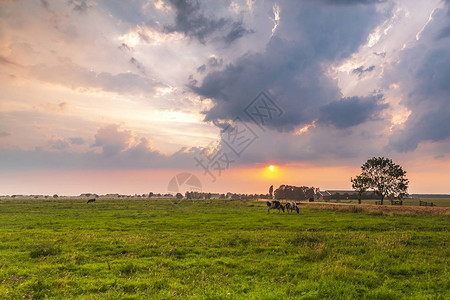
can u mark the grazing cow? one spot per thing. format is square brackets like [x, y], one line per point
[91, 200]
[274, 205]
[291, 206]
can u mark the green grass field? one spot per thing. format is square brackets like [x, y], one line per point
[151, 249]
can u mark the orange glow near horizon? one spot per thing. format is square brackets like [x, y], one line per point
[321, 177]
[256, 179]
[267, 174]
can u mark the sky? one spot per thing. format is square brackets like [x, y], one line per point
[122, 96]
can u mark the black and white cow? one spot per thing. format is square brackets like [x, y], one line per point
[274, 205]
[291, 206]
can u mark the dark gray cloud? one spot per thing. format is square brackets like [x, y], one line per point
[361, 70]
[331, 32]
[237, 31]
[351, 111]
[58, 144]
[296, 81]
[213, 62]
[430, 126]
[192, 22]
[428, 96]
[76, 140]
[291, 70]
[424, 73]
[352, 2]
[445, 33]
[321, 144]
[112, 140]
[80, 6]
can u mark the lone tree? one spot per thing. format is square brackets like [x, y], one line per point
[386, 178]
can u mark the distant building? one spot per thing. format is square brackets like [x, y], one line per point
[342, 192]
[323, 195]
[351, 194]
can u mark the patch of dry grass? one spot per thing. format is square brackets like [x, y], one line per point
[381, 209]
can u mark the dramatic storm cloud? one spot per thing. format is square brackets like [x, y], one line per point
[423, 74]
[115, 85]
[191, 21]
[292, 68]
[350, 111]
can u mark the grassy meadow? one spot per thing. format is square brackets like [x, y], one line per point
[218, 249]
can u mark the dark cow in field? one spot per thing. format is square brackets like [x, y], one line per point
[274, 205]
[291, 206]
[90, 201]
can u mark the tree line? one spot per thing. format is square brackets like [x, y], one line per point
[236, 196]
[291, 192]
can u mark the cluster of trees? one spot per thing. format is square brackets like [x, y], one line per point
[383, 176]
[29, 196]
[149, 195]
[204, 195]
[155, 195]
[365, 196]
[248, 196]
[295, 192]
[199, 195]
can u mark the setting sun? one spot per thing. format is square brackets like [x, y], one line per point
[272, 168]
